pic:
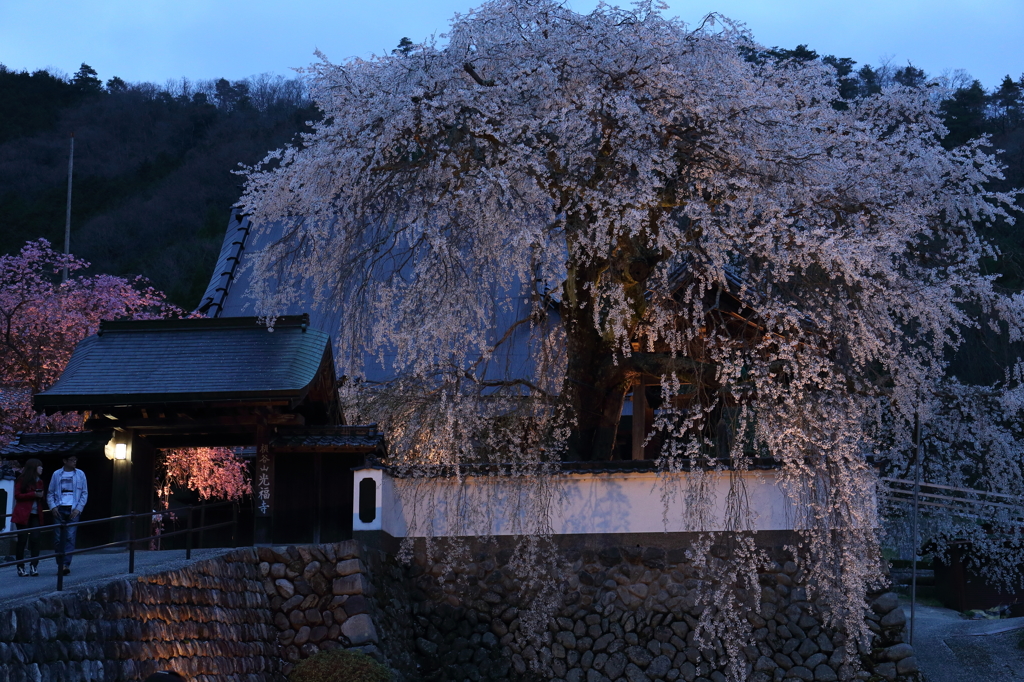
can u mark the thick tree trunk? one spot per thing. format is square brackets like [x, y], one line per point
[598, 375]
[595, 385]
[594, 391]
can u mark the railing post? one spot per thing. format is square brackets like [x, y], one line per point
[234, 525]
[202, 523]
[188, 534]
[131, 541]
[62, 533]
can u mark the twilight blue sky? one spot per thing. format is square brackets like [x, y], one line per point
[156, 40]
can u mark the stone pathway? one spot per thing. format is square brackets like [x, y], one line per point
[952, 649]
[91, 568]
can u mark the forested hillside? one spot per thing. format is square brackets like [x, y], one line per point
[153, 164]
[153, 182]
[969, 111]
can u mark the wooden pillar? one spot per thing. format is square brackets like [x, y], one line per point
[143, 476]
[263, 489]
[318, 518]
[639, 418]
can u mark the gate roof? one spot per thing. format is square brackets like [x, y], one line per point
[192, 361]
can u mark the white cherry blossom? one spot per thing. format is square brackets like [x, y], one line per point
[617, 195]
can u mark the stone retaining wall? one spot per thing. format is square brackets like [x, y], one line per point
[626, 613]
[324, 597]
[209, 621]
[620, 612]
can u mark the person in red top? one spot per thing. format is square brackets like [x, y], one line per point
[29, 493]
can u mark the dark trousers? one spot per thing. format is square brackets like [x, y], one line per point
[64, 538]
[28, 537]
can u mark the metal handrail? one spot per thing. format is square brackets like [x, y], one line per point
[972, 491]
[132, 540]
[975, 506]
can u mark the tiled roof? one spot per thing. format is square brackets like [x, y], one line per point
[82, 442]
[12, 397]
[339, 438]
[193, 360]
[8, 472]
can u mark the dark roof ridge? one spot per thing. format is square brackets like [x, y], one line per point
[43, 436]
[331, 428]
[53, 442]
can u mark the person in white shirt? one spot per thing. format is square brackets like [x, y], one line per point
[67, 495]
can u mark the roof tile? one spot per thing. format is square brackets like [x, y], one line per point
[53, 443]
[166, 361]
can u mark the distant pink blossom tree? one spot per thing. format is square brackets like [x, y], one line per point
[211, 472]
[42, 319]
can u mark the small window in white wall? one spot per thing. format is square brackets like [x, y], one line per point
[367, 500]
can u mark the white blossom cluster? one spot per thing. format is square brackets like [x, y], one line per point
[973, 445]
[669, 203]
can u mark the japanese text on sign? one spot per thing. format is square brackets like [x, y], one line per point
[263, 479]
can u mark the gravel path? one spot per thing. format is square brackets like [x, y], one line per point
[952, 649]
[90, 569]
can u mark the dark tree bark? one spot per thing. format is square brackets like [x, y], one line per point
[595, 386]
[598, 373]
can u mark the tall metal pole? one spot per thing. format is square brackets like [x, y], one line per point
[67, 216]
[917, 495]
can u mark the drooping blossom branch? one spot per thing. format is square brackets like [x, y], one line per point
[212, 472]
[610, 198]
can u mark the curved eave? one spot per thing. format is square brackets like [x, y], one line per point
[53, 403]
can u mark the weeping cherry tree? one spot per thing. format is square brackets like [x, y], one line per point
[629, 198]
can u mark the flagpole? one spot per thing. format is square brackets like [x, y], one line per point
[916, 541]
[67, 215]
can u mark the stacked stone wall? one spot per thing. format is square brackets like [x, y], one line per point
[620, 612]
[626, 613]
[326, 597]
[209, 621]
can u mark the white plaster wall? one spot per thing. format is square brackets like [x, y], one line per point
[377, 476]
[627, 502]
[9, 487]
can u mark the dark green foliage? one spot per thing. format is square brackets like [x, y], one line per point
[964, 114]
[404, 47]
[116, 84]
[799, 54]
[848, 85]
[910, 76]
[339, 665]
[86, 81]
[870, 81]
[231, 96]
[32, 102]
[1008, 102]
[153, 183]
